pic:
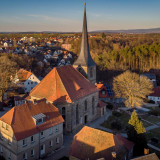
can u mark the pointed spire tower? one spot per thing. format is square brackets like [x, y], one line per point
[85, 63]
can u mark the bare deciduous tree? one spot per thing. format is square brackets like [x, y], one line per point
[132, 88]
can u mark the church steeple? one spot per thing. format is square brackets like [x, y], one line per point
[84, 62]
[84, 58]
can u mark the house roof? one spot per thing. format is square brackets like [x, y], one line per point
[94, 144]
[152, 156]
[23, 74]
[101, 104]
[156, 92]
[20, 118]
[63, 84]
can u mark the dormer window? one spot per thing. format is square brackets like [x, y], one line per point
[39, 118]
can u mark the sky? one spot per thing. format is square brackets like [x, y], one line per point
[67, 15]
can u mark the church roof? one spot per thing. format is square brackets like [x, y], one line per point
[84, 58]
[20, 118]
[63, 84]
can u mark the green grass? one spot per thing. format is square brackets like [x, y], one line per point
[146, 124]
[154, 133]
[151, 118]
[124, 118]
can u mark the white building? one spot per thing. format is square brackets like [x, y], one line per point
[5, 44]
[26, 80]
[155, 96]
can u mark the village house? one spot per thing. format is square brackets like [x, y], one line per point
[94, 144]
[152, 156]
[75, 96]
[30, 131]
[26, 80]
[155, 96]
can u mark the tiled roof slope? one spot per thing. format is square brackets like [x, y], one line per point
[23, 74]
[63, 84]
[156, 92]
[93, 144]
[101, 104]
[152, 156]
[22, 123]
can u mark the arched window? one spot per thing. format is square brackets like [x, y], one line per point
[85, 105]
[93, 101]
[64, 115]
[77, 115]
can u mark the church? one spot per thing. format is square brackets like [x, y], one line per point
[71, 88]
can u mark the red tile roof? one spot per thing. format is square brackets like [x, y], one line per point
[156, 92]
[63, 84]
[23, 74]
[93, 144]
[152, 156]
[22, 123]
[99, 86]
[101, 104]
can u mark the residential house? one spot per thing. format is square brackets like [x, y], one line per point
[66, 46]
[72, 93]
[30, 131]
[26, 80]
[152, 156]
[151, 77]
[106, 94]
[155, 96]
[101, 108]
[95, 144]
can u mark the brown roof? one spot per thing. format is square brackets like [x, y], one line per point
[23, 74]
[63, 84]
[156, 92]
[101, 104]
[22, 123]
[152, 156]
[94, 144]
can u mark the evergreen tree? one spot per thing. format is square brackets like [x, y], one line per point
[134, 121]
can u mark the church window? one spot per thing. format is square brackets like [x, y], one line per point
[93, 101]
[77, 115]
[91, 72]
[85, 104]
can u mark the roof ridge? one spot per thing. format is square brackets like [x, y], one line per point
[13, 117]
[61, 80]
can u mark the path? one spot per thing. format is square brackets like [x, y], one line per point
[64, 151]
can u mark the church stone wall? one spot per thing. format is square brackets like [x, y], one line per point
[84, 115]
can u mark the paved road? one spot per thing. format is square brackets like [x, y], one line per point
[64, 151]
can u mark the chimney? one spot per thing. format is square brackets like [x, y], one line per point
[113, 155]
[146, 151]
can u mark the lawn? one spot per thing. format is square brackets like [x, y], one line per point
[124, 118]
[150, 118]
[154, 133]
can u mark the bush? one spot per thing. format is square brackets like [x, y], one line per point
[116, 124]
[109, 106]
[117, 114]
